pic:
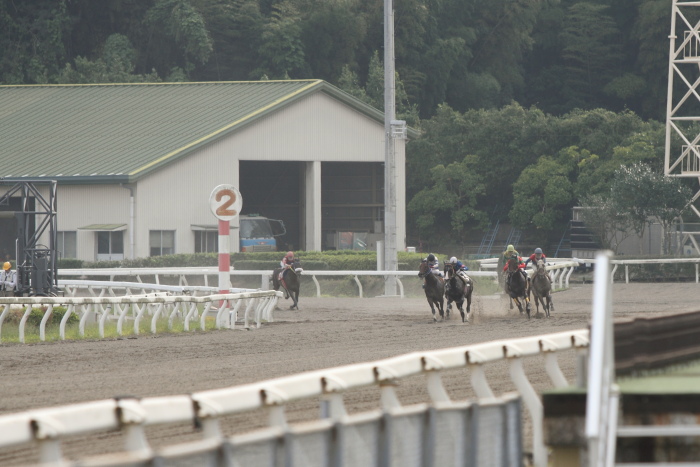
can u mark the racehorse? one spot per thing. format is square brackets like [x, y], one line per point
[434, 289]
[518, 286]
[541, 287]
[291, 279]
[457, 289]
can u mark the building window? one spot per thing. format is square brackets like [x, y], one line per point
[110, 245]
[206, 241]
[161, 242]
[66, 244]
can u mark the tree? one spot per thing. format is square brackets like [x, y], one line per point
[373, 92]
[332, 33]
[591, 52]
[673, 198]
[178, 37]
[452, 195]
[542, 196]
[116, 65]
[605, 221]
[281, 50]
[33, 39]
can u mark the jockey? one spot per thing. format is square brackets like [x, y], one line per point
[458, 266]
[521, 266]
[510, 251]
[287, 262]
[535, 257]
[434, 266]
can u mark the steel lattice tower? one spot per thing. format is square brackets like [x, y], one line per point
[682, 152]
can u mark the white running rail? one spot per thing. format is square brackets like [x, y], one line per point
[135, 308]
[48, 427]
[183, 273]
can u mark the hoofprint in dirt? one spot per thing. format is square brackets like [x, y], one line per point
[327, 332]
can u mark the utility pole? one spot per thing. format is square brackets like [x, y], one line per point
[390, 240]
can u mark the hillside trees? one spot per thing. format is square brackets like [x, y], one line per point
[534, 167]
[469, 54]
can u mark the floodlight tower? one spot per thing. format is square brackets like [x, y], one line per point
[682, 152]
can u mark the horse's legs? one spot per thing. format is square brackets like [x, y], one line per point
[295, 299]
[460, 307]
[517, 302]
[527, 306]
[440, 303]
[449, 307]
[468, 297]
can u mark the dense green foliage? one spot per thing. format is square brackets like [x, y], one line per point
[557, 54]
[526, 108]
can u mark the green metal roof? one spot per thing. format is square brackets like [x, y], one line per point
[119, 132]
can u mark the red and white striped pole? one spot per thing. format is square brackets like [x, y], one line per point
[225, 202]
[224, 256]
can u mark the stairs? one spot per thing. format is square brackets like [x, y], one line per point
[513, 238]
[488, 238]
[564, 245]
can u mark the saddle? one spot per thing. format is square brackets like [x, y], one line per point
[464, 276]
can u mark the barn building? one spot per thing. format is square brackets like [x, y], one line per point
[136, 163]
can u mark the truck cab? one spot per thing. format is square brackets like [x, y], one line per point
[257, 233]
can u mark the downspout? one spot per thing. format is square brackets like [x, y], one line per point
[132, 216]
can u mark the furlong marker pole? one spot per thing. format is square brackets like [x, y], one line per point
[224, 256]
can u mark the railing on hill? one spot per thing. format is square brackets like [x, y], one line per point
[483, 432]
[183, 273]
[135, 308]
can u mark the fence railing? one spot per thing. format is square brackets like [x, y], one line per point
[132, 309]
[628, 262]
[440, 432]
[183, 273]
[560, 270]
[73, 288]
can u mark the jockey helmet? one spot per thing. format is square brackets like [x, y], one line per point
[538, 251]
[6, 266]
[453, 260]
[431, 257]
[510, 248]
[290, 254]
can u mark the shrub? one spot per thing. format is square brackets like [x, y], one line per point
[69, 263]
[37, 314]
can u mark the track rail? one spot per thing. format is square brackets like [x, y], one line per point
[48, 427]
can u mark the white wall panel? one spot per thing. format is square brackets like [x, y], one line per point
[81, 205]
[177, 196]
[316, 128]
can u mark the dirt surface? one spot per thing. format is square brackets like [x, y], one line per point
[326, 332]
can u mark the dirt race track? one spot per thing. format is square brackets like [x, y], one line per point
[326, 332]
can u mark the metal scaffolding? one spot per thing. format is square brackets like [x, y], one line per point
[682, 151]
[36, 219]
